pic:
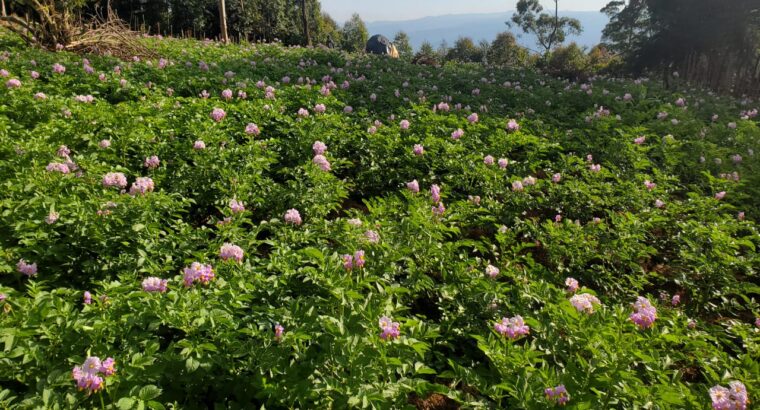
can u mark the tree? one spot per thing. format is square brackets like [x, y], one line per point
[224, 37]
[484, 47]
[354, 34]
[549, 30]
[442, 50]
[426, 49]
[570, 62]
[629, 26]
[464, 50]
[305, 22]
[401, 41]
[670, 35]
[504, 50]
[328, 31]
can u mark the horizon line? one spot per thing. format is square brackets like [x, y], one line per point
[463, 14]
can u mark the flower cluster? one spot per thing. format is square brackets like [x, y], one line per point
[218, 114]
[141, 186]
[88, 374]
[116, 179]
[292, 216]
[732, 398]
[198, 272]
[13, 83]
[321, 162]
[252, 129]
[28, 269]
[319, 148]
[372, 236]
[278, 331]
[557, 394]
[152, 162]
[389, 329]
[154, 284]
[584, 302]
[230, 251]
[492, 271]
[435, 193]
[237, 206]
[512, 328]
[58, 167]
[572, 285]
[644, 313]
[355, 261]
[413, 186]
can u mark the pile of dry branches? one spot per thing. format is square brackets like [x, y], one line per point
[51, 25]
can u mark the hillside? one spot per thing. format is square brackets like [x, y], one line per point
[260, 226]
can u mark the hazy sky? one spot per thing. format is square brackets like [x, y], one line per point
[374, 10]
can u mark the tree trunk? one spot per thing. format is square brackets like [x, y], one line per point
[2, 5]
[305, 22]
[224, 37]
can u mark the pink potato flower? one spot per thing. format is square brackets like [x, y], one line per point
[218, 114]
[252, 129]
[492, 271]
[230, 251]
[557, 394]
[292, 216]
[236, 206]
[571, 284]
[141, 186]
[390, 330]
[28, 269]
[155, 285]
[734, 397]
[512, 328]
[115, 179]
[198, 272]
[644, 313]
[319, 148]
[87, 376]
[413, 186]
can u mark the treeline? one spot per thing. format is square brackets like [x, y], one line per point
[715, 44]
[250, 20]
[712, 43]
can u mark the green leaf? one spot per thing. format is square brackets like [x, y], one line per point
[192, 364]
[149, 392]
[125, 403]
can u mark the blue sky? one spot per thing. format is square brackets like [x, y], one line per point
[375, 10]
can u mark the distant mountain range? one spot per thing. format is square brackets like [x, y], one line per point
[449, 28]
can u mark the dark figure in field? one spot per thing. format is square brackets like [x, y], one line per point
[330, 43]
[379, 44]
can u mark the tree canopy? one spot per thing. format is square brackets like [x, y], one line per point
[707, 42]
[550, 30]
